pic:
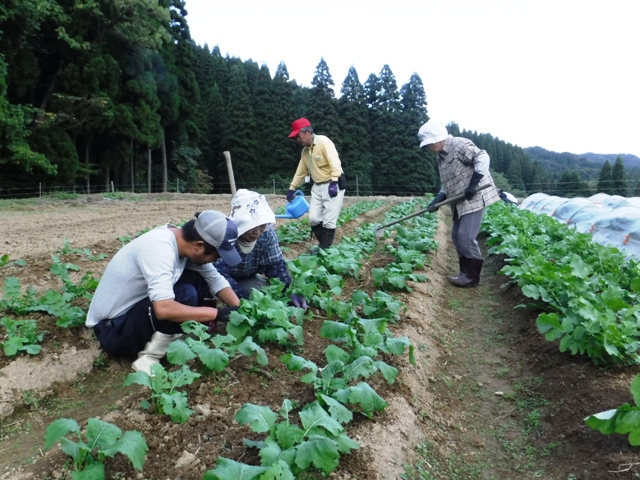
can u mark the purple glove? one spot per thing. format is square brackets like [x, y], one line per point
[290, 195]
[333, 189]
[299, 301]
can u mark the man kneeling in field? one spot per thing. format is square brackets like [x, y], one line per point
[160, 280]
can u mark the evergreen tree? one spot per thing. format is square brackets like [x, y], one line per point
[322, 110]
[619, 178]
[605, 180]
[287, 152]
[271, 125]
[418, 170]
[570, 185]
[240, 132]
[355, 154]
[384, 127]
[514, 174]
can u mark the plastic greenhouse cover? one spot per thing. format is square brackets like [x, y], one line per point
[612, 220]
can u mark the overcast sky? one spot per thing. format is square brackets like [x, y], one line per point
[559, 74]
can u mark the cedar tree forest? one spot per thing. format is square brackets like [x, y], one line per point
[116, 94]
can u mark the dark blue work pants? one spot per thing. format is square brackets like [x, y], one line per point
[127, 334]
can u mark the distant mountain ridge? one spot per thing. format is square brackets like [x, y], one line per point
[559, 162]
[628, 159]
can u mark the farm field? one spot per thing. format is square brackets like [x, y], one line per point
[488, 396]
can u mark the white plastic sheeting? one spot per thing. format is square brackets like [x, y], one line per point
[611, 219]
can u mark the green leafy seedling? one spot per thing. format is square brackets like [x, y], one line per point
[164, 396]
[101, 440]
[625, 419]
[22, 336]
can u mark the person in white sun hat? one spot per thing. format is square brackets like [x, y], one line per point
[463, 168]
[160, 280]
[257, 246]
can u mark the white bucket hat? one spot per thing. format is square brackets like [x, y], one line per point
[432, 132]
[249, 210]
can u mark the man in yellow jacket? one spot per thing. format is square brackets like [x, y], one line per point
[320, 163]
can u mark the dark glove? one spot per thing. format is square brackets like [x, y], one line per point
[438, 198]
[290, 195]
[333, 189]
[223, 313]
[299, 301]
[219, 325]
[471, 190]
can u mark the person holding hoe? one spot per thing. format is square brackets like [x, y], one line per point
[463, 168]
[319, 162]
[160, 280]
[257, 246]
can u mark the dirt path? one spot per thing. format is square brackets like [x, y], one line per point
[488, 398]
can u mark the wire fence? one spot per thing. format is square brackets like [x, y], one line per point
[177, 186]
[275, 188]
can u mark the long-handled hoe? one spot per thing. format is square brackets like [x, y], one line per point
[457, 198]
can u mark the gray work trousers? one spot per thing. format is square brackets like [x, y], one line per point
[464, 233]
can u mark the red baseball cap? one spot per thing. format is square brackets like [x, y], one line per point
[296, 125]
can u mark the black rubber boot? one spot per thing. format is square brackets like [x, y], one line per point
[472, 277]
[318, 231]
[327, 238]
[463, 269]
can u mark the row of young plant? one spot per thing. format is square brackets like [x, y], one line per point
[297, 231]
[589, 292]
[358, 327]
[68, 305]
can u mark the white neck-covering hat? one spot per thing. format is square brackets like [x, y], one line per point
[249, 210]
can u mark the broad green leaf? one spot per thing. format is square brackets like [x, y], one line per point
[320, 451]
[78, 451]
[397, 345]
[133, 445]
[333, 352]
[635, 390]
[314, 417]
[333, 330]
[288, 435]
[180, 378]
[249, 347]
[214, 359]
[93, 471]
[346, 444]
[227, 469]
[360, 367]
[337, 410]
[531, 291]
[140, 378]
[175, 405]
[295, 363]
[363, 395]
[280, 470]
[260, 418]
[100, 434]
[59, 429]
[179, 353]
[388, 372]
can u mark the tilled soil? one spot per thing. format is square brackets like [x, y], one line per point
[488, 398]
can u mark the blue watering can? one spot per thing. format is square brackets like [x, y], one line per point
[296, 207]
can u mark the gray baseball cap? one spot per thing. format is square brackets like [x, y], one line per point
[219, 231]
